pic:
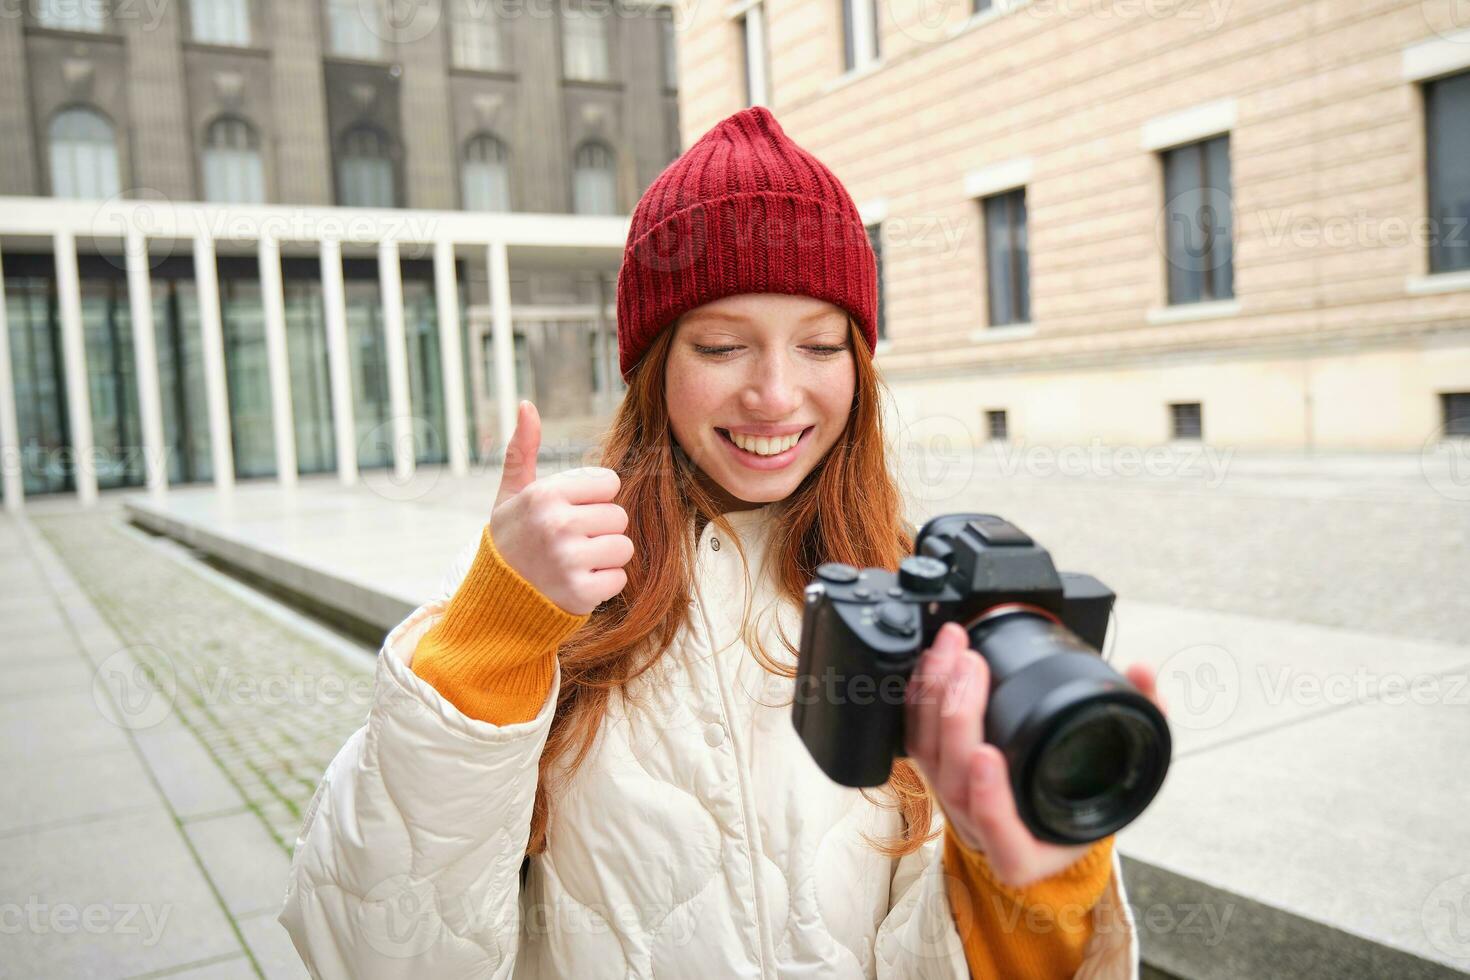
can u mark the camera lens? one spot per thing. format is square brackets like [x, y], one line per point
[1087, 751]
[1096, 770]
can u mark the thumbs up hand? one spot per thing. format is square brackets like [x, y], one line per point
[562, 533]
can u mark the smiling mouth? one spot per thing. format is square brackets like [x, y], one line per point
[763, 445]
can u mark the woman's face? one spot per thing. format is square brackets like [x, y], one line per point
[759, 387]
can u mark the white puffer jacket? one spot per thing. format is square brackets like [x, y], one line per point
[698, 839]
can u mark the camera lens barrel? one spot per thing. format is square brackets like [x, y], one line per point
[1087, 752]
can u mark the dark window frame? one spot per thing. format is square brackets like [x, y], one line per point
[1447, 219]
[1187, 421]
[1214, 281]
[1018, 248]
[1454, 413]
[997, 424]
[875, 239]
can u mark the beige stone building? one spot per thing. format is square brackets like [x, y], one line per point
[1139, 220]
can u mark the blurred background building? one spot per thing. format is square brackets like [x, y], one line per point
[1140, 221]
[279, 111]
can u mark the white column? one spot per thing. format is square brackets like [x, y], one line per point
[755, 54]
[150, 410]
[212, 345]
[390, 283]
[74, 355]
[12, 461]
[501, 339]
[864, 33]
[339, 364]
[451, 361]
[278, 366]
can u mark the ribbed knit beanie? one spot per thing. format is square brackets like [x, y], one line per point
[743, 210]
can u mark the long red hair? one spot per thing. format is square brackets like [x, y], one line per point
[847, 509]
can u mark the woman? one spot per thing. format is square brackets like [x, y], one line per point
[605, 691]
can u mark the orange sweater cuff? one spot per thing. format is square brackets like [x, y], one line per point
[493, 654]
[1038, 930]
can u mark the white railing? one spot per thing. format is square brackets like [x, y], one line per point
[135, 226]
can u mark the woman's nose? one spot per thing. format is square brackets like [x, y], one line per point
[773, 390]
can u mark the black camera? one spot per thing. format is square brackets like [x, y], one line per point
[1087, 752]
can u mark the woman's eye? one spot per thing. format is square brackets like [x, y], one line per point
[827, 350]
[714, 351]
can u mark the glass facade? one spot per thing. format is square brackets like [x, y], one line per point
[34, 323]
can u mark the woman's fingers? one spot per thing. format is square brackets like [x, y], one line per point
[922, 699]
[606, 551]
[1142, 677]
[961, 723]
[992, 809]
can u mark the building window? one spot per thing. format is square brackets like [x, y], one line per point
[875, 239]
[486, 174]
[859, 33]
[83, 154]
[1198, 221]
[233, 172]
[1454, 406]
[476, 34]
[594, 179]
[71, 15]
[525, 381]
[1447, 124]
[980, 6]
[584, 44]
[671, 49]
[997, 427]
[757, 65]
[1186, 421]
[356, 28]
[1007, 258]
[365, 177]
[225, 22]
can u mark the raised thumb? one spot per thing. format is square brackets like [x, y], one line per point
[519, 470]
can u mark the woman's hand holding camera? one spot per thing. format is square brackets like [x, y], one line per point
[945, 725]
[562, 533]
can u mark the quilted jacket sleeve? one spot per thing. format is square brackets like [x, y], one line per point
[917, 940]
[408, 860]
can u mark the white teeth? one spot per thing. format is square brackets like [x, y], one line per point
[765, 445]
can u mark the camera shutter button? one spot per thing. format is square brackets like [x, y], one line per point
[896, 618]
[836, 571]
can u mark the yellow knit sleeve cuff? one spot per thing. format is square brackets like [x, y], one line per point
[493, 654]
[1066, 896]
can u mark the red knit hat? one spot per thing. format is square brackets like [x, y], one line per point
[743, 210]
